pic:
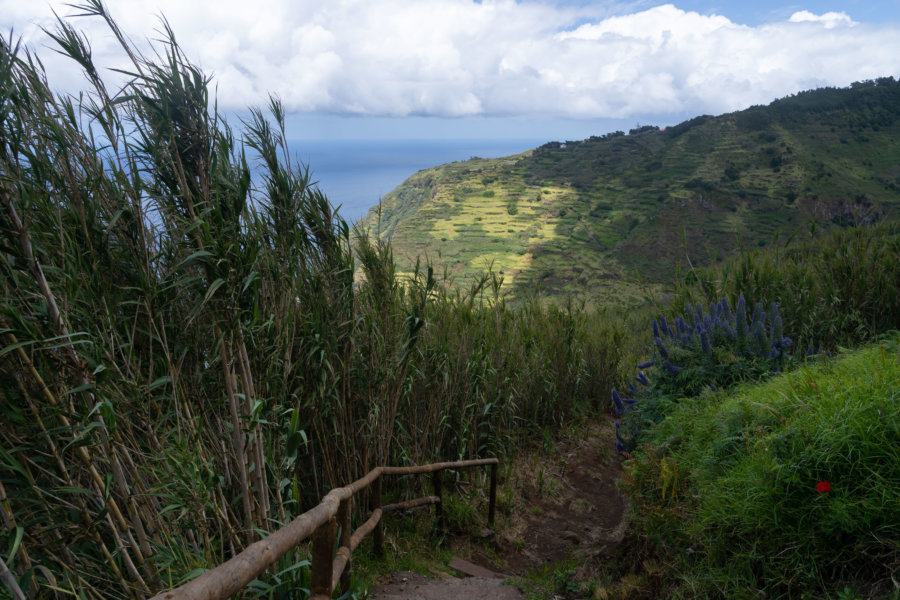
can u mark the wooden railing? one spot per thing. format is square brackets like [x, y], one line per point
[323, 522]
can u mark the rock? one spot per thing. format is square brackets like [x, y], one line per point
[570, 536]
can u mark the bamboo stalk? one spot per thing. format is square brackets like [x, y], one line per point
[38, 273]
[69, 351]
[237, 436]
[7, 577]
[258, 453]
[63, 470]
[133, 509]
[9, 522]
[109, 559]
[126, 558]
[81, 450]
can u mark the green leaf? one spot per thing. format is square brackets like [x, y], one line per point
[193, 573]
[71, 489]
[194, 257]
[13, 464]
[81, 438]
[81, 388]
[20, 531]
[215, 285]
[248, 281]
[11, 347]
[158, 382]
[256, 410]
[170, 508]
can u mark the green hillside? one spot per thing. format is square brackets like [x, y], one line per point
[596, 216]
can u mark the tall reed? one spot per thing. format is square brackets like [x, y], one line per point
[193, 354]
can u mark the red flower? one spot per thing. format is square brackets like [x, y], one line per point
[823, 486]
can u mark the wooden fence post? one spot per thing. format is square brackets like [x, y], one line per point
[379, 529]
[322, 558]
[492, 505]
[437, 477]
[343, 517]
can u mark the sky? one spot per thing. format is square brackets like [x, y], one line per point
[537, 69]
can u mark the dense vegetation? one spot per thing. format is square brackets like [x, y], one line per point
[590, 217]
[837, 290]
[789, 486]
[193, 351]
[191, 355]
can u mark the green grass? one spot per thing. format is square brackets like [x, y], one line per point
[726, 485]
[412, 543]
[550, 581]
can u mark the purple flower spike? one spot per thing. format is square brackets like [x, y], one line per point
[646, 364]
[661, 347]
[704, 343]
[673, 369]
[777, 329]
[725, 306]
[617, 402]
[664, 326]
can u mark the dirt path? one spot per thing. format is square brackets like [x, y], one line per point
[564, 513]
[572, 511]
[412, 586]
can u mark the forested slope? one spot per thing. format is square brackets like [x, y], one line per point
[591, 216]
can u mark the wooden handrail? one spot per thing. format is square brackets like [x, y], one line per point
[321, 522]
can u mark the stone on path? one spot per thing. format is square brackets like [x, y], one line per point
[472, 570]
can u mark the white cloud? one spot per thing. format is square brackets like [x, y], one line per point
[497, 57]
[829, 19]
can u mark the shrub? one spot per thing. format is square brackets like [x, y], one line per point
[837, 290]
[704, 349]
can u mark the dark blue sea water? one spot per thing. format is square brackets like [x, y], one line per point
[355, 174]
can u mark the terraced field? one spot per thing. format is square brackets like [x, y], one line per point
[609, 218]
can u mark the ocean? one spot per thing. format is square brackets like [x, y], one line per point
[355, 174]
